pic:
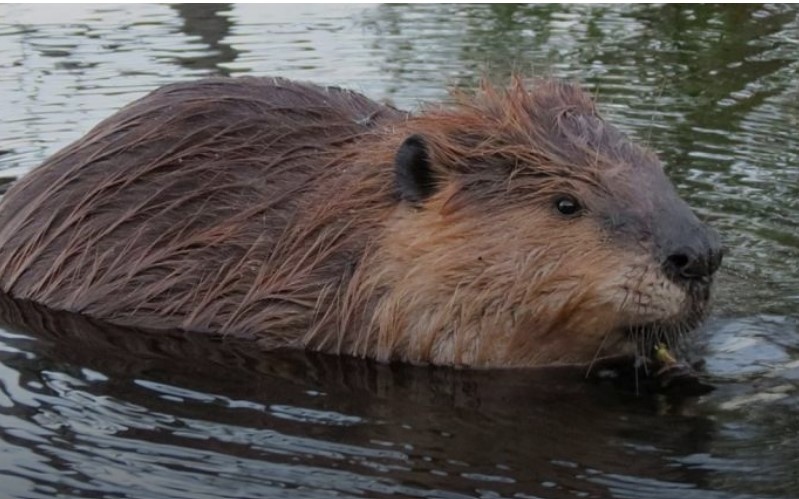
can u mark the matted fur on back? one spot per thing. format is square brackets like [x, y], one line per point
[193, 207]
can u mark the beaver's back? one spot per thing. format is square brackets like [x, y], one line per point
[180, 210]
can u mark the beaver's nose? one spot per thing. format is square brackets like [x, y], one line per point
[698, 259]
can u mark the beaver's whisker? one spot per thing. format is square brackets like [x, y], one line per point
[639, 358]
[596, 354]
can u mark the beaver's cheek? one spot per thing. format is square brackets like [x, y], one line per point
[588, 304]
[574, 334]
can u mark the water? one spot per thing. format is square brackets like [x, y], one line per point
[713, 89]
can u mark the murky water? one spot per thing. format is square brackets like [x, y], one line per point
[714, 89]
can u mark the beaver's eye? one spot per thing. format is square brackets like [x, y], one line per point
[567, 205]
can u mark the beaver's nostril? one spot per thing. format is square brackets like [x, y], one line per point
[688, 265]
[677, 262]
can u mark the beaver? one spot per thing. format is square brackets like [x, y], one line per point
[512, 226]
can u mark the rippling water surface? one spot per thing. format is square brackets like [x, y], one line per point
[714, 89]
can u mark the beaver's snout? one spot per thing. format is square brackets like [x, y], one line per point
[693, 255]
[688, 250]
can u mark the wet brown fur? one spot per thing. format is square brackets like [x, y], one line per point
[267, 209]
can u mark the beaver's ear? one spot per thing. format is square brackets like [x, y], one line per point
[414, 173]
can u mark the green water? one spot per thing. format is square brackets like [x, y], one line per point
[714, 89]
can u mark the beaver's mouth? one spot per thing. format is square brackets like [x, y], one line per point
[673, 334]
[660, 372]
[659, 361]
[653, 332]
[674, 331]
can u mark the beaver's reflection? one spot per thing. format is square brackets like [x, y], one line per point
[527, 427]
[212, 26]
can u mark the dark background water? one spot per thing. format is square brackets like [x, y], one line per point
[714, 89]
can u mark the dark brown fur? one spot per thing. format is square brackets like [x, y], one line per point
[267, 209]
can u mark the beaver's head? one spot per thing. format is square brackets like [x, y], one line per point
[530, 231]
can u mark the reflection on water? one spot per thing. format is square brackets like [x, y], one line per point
[326, 423]
[100, 413]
